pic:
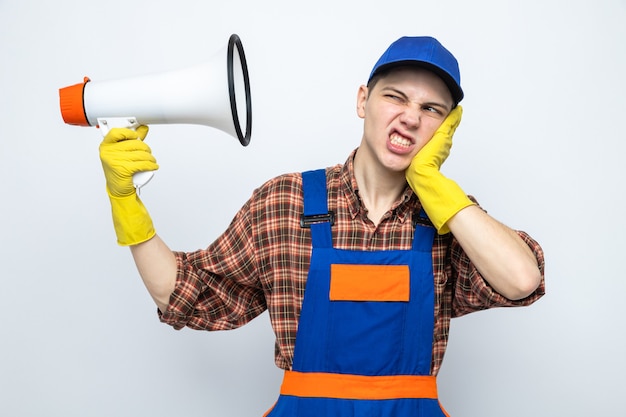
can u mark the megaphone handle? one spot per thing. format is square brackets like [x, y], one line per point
[107, 123]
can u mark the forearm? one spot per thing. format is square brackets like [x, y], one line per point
[499, 254]
[156, 264]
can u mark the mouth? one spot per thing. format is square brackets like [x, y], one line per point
[400, 141]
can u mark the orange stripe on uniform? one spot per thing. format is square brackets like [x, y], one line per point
[358, 387]
[369, 282]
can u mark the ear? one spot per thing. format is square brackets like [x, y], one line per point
[361, 99]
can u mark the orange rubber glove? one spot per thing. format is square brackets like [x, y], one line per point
[441, 197]
[124, 153]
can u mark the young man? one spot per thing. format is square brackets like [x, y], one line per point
[361, 266]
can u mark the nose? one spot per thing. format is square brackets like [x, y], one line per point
[411, 116]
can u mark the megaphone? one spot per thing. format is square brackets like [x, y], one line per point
[215, 93]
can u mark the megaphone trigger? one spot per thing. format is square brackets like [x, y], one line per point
[142, 178]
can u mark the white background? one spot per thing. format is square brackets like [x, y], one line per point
[541, 146]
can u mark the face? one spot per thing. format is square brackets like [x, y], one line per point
[401, 113]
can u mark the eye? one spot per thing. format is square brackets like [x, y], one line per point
[394, 97]
[434, 110]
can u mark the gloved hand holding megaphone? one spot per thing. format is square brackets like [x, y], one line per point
[213, 94]
[123, 154]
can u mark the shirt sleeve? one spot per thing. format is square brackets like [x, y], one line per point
[473, 293]
[217, 288]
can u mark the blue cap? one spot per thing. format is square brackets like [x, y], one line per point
[426, 52]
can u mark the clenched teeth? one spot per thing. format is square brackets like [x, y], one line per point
[400, 141]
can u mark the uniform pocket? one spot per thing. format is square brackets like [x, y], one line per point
[369, 282]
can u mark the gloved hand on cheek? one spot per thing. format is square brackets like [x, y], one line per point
[441, 197]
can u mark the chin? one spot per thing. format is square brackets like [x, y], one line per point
[399, 163]
[397, 168]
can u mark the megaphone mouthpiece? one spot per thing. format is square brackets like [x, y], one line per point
[72, 106]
